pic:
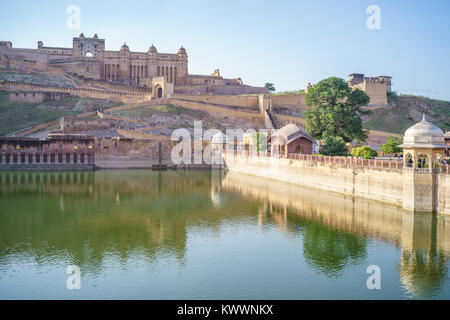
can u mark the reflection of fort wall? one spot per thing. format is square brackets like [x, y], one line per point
[351, 214]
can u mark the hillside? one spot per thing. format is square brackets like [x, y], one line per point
[406, 110]
[15, 116]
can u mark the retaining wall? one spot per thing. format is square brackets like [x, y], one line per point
[383, 184]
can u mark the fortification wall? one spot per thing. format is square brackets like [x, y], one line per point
[296, 101]
[237, 90]
[241, 101]
[382, 184]
[375, 90]
[120, 96]
[443, 193]
[218, 89]
[252, 116]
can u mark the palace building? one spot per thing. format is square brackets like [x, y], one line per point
[88, 59]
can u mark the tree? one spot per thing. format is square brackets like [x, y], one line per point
[334, 146]
[269, 87]
[335, 110]
[365, 152]
[391, 145]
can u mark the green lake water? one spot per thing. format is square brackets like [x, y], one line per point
[137, 234]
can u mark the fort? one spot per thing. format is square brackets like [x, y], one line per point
[88, 59]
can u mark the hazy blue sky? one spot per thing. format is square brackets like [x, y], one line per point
[289, 43]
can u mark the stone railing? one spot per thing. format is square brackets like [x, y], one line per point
[46, 160]
[373, 163]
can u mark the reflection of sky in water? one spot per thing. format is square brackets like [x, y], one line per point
[197, 235]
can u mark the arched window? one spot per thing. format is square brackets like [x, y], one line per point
[422, 161]
[409, 162]
[88, 54]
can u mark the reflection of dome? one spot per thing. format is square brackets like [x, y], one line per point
[182, 50]
[218, 199]
[424, 134]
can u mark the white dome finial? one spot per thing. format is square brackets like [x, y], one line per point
[424, 118]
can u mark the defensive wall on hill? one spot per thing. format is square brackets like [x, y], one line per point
[122, 96]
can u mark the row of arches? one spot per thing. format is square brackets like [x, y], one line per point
[423, 161]
[112, 72]
[169, 73]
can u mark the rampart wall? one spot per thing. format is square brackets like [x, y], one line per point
[125, 97]
[242, 101]
[372, 182]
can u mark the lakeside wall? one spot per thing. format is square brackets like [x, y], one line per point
[382, 184]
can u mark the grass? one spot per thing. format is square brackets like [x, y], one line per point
[398, 117]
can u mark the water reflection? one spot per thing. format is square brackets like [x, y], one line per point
[84, 217]
[336, 228]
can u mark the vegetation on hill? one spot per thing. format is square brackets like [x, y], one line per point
[406, 110]
[15, 116]
[293, 92]
[269, 87]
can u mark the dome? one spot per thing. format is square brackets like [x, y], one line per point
[218, 138]
[81, 36]
[152, 49]
[124, 47]
[424, 134]
[95, 36]
[182, 50]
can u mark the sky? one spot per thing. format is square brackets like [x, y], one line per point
[286, 42]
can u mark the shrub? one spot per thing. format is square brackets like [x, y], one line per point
[334, 146]
[365, 152]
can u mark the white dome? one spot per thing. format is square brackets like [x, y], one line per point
[219, 137]
[424, 134]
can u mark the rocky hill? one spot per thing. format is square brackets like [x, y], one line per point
[405, 110]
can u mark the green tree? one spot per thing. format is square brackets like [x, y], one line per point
[391, 146]
[269, 87]
[365, 152]
[335, 110]
[334, 146]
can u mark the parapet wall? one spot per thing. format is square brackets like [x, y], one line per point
[125, 97]
[241, 101]
[46, 161]
[383, 184]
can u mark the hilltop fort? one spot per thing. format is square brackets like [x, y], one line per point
[88, 59]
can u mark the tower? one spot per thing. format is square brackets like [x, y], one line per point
[423, 150]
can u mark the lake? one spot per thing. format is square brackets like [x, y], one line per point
[138, 234]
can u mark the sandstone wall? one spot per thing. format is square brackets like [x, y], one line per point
[296, 101]
[443, 193]
[242, 101]
[376, 91]
[383, 184]
[373, 183]
[230, 112]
